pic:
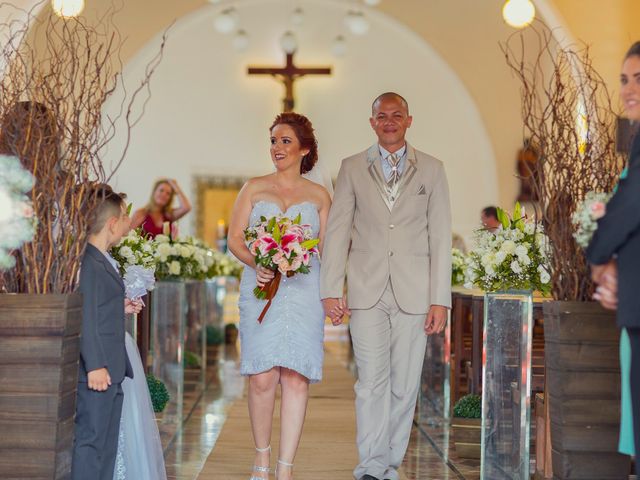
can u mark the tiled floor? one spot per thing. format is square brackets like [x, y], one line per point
[429, 457]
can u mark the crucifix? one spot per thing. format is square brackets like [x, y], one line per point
[287, 75]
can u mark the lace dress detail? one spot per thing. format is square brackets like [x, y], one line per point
[292, 332]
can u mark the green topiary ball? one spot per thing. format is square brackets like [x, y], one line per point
[215, 335]
[469, 406]
[158, 392]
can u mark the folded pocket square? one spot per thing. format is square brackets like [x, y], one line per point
[421, 190]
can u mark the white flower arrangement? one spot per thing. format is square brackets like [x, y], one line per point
[585, 218]
[134, 249]
[515, 257]
[224, 265]
[185, 258]
[17, 221]
[458, 262]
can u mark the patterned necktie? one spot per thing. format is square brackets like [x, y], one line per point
[394, 162]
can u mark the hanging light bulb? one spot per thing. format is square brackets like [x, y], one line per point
[372, 3]
[288, 42]
[356, 22]
[297, 16]
[227, 21]
[339, 46]
[240, 41]
[518, 13]
[67, 8]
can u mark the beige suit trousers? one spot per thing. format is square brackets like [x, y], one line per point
[389, 347]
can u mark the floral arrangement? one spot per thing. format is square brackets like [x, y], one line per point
[17, 221]
[516, 256]
[458, 262]
[282, 245]
[134, 254]
[223, 265]
[185, 258]
[134, 249]
[585, 218]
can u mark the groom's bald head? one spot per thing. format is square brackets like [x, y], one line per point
[389, 96]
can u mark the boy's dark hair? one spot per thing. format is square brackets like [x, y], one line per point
[107, 204]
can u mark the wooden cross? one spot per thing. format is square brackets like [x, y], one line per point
[287, 75]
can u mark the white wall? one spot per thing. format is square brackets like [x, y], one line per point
[206, 116]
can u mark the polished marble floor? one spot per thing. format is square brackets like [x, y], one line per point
[187, 446]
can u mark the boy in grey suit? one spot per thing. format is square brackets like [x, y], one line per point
[103, 358]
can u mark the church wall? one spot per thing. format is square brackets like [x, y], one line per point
[206, 116]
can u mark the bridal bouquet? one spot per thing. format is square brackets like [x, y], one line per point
[585, 218]
[282, 245]
[513, 257]
[136, 261]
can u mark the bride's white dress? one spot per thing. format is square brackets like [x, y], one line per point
[139, 449]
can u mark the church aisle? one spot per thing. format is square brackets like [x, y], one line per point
[328, 446]
[215, 441]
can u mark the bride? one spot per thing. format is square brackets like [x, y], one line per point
[286, 349]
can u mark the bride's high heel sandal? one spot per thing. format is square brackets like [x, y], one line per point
[284, 464]
[258, 469]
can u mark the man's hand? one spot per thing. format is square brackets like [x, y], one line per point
[132, 306]
[263, 275]
[99, 380]
[597, 271]
[436, 319]
[335, 309]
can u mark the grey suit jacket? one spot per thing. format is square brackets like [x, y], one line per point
[102, 338]
[409, 241]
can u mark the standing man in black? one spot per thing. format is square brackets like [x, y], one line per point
[614, 251]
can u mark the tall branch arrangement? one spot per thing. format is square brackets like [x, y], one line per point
[568, 117]
[58, 75]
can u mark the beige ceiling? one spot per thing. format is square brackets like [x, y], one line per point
[466, 33]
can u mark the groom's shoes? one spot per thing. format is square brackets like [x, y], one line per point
[369, 477]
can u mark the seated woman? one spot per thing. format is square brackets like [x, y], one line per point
[159, 209]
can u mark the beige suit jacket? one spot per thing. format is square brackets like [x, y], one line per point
[409, 241]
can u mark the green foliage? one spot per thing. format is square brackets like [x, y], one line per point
[469, 406]
[215, 335]
[192, 360]
[158, 392]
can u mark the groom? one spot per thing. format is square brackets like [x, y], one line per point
[390, 226]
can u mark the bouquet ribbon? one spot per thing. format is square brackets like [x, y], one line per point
[271, 288]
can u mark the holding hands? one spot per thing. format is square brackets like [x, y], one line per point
[336, 309]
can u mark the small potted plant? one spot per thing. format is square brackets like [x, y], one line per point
[159, 395]
[466, 424]
[215, 338]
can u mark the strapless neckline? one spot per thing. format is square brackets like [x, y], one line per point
[299, 204]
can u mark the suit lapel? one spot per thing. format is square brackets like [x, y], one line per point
[99, 256]
[410, 170]
[375, 171]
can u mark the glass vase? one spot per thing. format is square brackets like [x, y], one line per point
[506, 385]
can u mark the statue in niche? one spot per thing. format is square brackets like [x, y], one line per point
[527, 166]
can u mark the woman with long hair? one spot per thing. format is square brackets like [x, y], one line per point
[159, 210]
